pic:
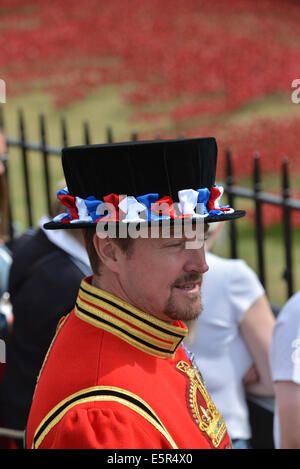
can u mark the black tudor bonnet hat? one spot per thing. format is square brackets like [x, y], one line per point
[141, 182]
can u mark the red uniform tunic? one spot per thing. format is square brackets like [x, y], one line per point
[118, 378]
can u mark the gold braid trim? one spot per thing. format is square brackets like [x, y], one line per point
[105, 394]
[96, 295]
[169, 341]
[123, 331]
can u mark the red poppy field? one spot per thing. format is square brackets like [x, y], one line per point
[209, 68]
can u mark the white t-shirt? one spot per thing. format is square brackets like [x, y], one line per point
[285, 350]
[229, 288]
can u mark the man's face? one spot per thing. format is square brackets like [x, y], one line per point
[163, 277]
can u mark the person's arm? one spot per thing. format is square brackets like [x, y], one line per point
[287, 395]
[256, 328]
[102, 425]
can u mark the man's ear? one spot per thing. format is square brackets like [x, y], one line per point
[107, 251]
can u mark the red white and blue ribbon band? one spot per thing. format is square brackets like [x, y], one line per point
[192, 203]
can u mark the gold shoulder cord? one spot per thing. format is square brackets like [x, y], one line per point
[105, 394]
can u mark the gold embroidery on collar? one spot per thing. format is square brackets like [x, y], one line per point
[141, 330]
[207, 418]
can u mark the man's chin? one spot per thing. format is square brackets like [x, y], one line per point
[183, 314]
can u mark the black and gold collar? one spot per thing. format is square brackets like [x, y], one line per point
[141, 330]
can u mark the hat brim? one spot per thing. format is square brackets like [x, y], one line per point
[83, 225]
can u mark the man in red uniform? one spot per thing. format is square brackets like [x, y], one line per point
[117, 375]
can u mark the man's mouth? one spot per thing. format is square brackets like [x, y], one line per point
[189, 287]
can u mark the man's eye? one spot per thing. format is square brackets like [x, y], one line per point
[174, 245]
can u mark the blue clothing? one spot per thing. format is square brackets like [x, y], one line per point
[5, 263]
[241, 444]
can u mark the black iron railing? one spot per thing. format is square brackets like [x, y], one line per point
[260, 197]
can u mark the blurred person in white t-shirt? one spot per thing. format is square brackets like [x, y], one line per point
[285, 366]
[231, 339]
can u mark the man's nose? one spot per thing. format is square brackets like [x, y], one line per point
[196, 261]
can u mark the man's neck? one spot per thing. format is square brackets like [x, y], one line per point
[110, 285]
